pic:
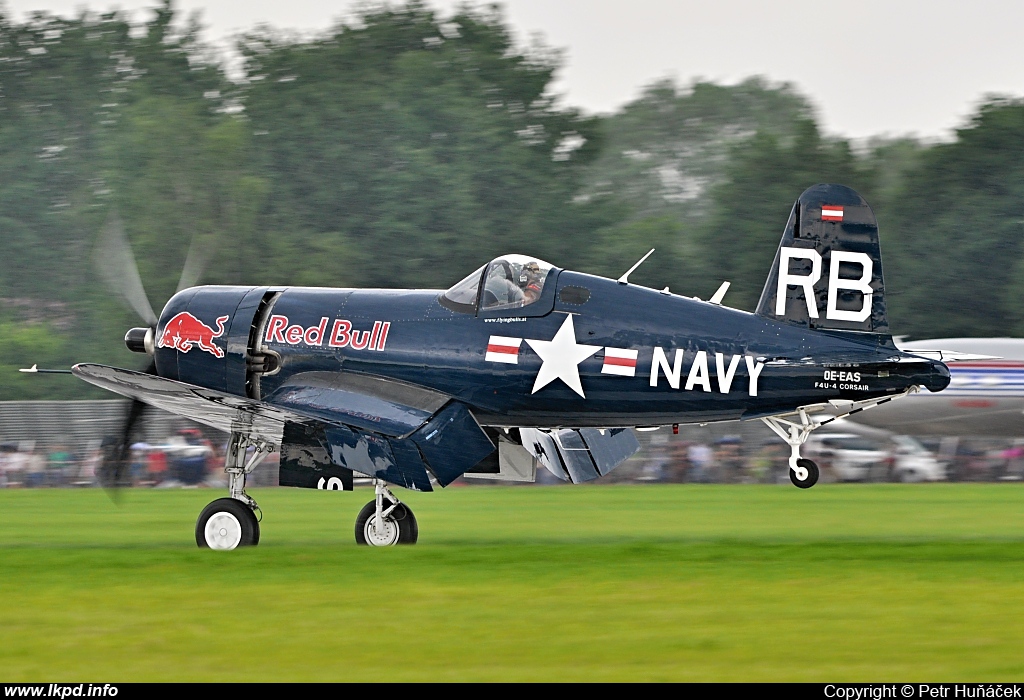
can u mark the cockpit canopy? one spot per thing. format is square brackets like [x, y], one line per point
[508, 282]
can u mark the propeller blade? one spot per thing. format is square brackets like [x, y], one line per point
[196, 260]
[114, 473]
[115, 262]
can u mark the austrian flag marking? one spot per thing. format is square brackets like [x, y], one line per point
[619, 361]
[831, 212]
[502, 349]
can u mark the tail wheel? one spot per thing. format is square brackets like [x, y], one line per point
[812, 474]
[226, 524]
[400, 526]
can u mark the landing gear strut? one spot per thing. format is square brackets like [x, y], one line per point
[385, 520]
[802, 472]
[228, 523]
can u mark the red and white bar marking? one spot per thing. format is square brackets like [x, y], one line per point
[831, 212]
[502, 349]
[619, 361]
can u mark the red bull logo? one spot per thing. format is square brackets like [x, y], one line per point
[185, 331]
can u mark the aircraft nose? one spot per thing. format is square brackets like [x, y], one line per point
[938, 377]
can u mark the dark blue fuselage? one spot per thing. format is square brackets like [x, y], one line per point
[636, 376]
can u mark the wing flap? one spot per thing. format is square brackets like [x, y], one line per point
[444, 448]
[610, 447]
[305, 462]
[394, 461]
[580, 455]
[452, 442]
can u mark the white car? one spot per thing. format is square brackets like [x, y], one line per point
[855, 456]
[914, 462]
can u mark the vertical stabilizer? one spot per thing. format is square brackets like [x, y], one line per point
[827, 272]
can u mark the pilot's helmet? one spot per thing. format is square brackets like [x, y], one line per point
[530, 271]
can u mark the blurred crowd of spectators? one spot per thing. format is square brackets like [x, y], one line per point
[189, 458]
[727, 460]
[731, 460]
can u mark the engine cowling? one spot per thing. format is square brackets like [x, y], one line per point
[206, 335]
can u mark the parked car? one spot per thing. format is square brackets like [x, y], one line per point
[915, 462]
[857, 456]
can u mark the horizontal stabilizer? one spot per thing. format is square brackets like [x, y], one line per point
[948, 356]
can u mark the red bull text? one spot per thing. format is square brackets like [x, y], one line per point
[340, 335]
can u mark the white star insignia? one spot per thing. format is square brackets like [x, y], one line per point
[561, 358]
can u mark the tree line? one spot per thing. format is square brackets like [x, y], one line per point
[404, 148]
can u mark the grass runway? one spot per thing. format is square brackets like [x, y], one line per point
[881, 582]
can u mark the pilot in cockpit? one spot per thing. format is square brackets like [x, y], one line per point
[499, 289]
[531, 281]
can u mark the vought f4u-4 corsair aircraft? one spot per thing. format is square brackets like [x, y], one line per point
[519, 365]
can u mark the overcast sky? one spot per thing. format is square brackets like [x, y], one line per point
[869, 66]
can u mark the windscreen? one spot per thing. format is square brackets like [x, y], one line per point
[462, 295]
[509, 282]
[512, 282]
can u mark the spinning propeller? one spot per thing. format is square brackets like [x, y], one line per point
[116, 264]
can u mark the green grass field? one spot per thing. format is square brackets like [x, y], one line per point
[661, 583]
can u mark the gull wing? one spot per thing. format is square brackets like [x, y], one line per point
[400, 433]
[258, 420]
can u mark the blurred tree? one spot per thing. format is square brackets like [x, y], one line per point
[96, 116]
[405, 149]
[22, 345]
[181, 181]
[409, 150]
[664, 154]
[764, 176]
[666, 149]
[958, 263]
[51, 86]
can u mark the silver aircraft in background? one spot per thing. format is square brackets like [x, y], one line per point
[985, 396]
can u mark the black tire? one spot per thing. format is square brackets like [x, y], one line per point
[812, 474]
[401, 518]
[242, 531]
[909, 476]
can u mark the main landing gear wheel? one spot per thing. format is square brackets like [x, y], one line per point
[812, 474]
[227, 523]
[400, 525]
